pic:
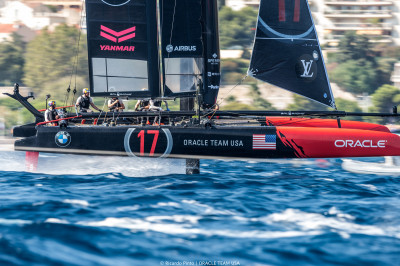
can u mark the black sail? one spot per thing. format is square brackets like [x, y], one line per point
[182, 46]
[122, 48]
[286, 50]
[190, 48]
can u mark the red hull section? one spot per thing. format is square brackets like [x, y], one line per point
[323, 123]
[31, 161]
[339, 142]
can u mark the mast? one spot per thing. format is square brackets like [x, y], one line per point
[212, 58]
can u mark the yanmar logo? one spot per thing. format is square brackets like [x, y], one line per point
[115, 36]
[360, 143]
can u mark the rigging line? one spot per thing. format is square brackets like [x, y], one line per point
[75, 62]
[105, 100]
[76, 48]
[223, 98]
[119, 112]
[214, 111]
[117, 116]
[73, 98]
[170, 40]
[66, 96]
[237, 84]
[79, 41]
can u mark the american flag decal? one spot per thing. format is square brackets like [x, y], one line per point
[264, 142]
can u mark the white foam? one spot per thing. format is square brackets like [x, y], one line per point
[326, 179]
[150, 224]
[193, 219]
[14, 222]
[38, 203]
[296, 222]
[166, 204]
[369, 186]
[94, 165]
[128, 208]
[159, 186]
[341, 223]
[77, 202]
[206, 209]
[111, 176]
[334, 211]
[56, 221]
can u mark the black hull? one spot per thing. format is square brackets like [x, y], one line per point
[151, 141]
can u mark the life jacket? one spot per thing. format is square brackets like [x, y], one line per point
[51, 115]
[157, 103]
[115, 106]
[144, 103]
[84, 103]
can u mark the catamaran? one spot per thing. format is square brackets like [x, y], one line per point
[141, 49]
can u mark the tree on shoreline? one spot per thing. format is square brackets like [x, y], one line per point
[52, 55]
[237, 27]
[12, 60]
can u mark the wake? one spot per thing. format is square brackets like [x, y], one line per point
[63, 164]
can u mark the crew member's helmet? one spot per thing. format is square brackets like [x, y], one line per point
[52, 103]
[85, 90]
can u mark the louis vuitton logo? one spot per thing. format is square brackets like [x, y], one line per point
[307, 68]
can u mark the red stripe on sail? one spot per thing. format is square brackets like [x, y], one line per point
[282, 12]
[127, 37]
[107, 36]
[116, 33]
[296, 16]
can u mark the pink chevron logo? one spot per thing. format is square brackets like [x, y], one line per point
[115, 36]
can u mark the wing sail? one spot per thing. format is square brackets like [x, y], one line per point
[287, 53]
[122, 48]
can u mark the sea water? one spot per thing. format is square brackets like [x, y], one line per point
[88, 210]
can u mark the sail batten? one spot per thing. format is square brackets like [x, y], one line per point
[287, 53]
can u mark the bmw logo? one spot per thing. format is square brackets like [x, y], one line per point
[63, 139]
[169, 48]
[115, 2]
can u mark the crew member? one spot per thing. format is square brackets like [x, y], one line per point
[84, 101]
[155, 105]
[51, 114]
[142, 105]
[115, 105]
